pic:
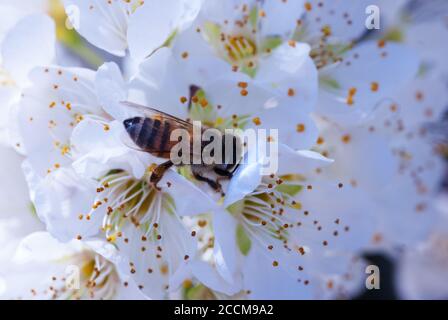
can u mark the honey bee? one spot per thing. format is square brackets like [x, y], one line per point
[151, 133]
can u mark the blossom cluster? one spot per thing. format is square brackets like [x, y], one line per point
[360, 144]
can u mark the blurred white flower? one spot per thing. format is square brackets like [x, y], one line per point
[393, 157]
[355, 72]
[393, 154]
[422, 271]
[421, 25]
[17, 216]
[43, 268]
[31, 31]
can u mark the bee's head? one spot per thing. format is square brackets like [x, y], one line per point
[132, 126]
[129, 123]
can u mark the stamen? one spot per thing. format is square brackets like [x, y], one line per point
[129, 200]
[98, 279]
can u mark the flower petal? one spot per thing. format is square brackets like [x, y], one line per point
[103, 23]
[369, 73]
[60, 199]
[279, 18]
[178, 185]
[41, 247]
[303, 161]
[210, 278]
[290, 73]
[345, 18]
[98, 150]
[32, 32]
[162, 19]
[111, 90]
[226, 252]
[245, 180]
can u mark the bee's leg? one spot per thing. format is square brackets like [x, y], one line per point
[158, 173]
[193, 90]
[223, 173]
[213, 184]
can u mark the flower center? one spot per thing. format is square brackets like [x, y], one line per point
[130, 200]
[325, 54]
[240, 47]
[240, 51]
[100, 279]
[5, 79]
[92, 277]
[238, 44]
[325, 50]
[265, 214]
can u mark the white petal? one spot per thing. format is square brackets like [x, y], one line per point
[346, 19]
[210, 278]
[290, 74]
[156, 21]
[59, 200]
[15, 197]
[226, 251]
[356, 148]
[178, 185]
[111, 90]
[153, 273]
[280, 17]
[98, 150]
[29, 44]
[304, 161]
[217, 10]
[345, 207]
[386, 69]
[295, 127]
[266, 282]
[246, 179]
[41, 247]
[48, 111]
[159, 75]
[102, 23]
[421, 272]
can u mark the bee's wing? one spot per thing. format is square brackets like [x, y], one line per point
[151, 113]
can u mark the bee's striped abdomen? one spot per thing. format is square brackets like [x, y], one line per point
[151, 135]
[148, 133]
[165, 137]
